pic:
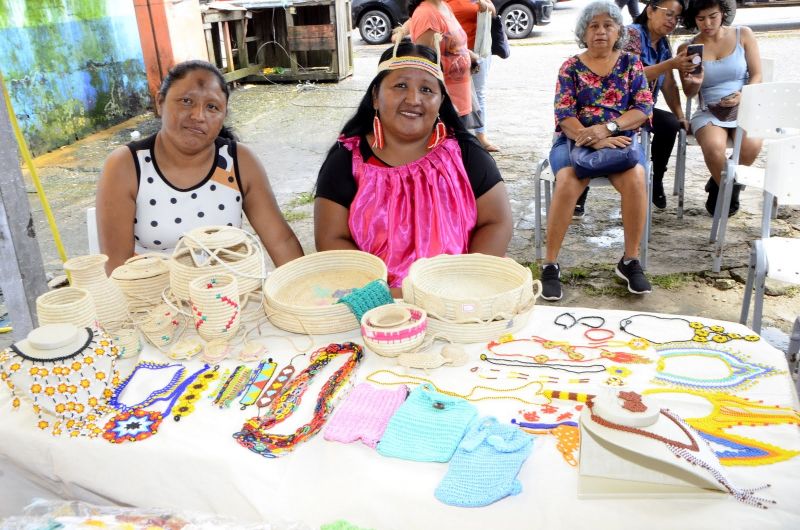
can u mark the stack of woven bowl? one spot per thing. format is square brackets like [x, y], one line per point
[142, 279]
[471, 297]
[301, 296]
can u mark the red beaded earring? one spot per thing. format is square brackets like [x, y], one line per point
[377, 132]
[438, 135]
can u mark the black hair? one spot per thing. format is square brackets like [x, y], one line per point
[695, 6]
[181, 70]
[413, 5]
[642, 19]
[361, 122]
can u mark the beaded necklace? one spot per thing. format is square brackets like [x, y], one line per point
[136, 424]
[741, 373]
[159, 394]
[730, 411]
[689, 451]
[697, 332]
[573, 352]
[408, 379]
[68, 394]
[586, 369]
[185, 405]
[254, 434]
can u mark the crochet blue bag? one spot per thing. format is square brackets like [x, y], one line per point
[484, 468]
[590, 163]
[427, 427]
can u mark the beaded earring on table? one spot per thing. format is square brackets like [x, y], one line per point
[438, 135]
[377, 132]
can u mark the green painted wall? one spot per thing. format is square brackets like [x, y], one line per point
[72, 67]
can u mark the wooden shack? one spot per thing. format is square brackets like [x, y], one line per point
[269, 40]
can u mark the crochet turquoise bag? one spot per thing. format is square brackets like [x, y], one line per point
[427, 427]
[484, 468]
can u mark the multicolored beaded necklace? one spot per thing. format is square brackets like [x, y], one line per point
[134, 423]
[575, 353]
[731, 411]
[254, 434]
[741, 373]
[689, 451]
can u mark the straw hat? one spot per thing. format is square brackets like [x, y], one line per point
[53, 341]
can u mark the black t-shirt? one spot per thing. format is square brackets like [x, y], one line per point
[336, 182]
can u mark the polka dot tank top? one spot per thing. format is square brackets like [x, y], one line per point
[164, 212]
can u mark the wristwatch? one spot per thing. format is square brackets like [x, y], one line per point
[612, 126]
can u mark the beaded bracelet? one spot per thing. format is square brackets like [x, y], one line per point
[263, 373]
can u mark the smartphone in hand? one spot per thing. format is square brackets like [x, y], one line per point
[696, 49]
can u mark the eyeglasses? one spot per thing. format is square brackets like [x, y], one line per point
[671, 14]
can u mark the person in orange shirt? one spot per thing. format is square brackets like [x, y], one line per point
[434, 25]
[466, 12]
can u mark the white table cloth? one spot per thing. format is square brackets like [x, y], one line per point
[196, 465]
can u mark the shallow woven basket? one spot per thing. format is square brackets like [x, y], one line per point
[469, 287]
[234, 252]
[478, 332]
[390, 339]
[142, 279]
[215, 305]
[68, 305]
[301, 295]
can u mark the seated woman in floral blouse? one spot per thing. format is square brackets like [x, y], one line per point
[601, 95]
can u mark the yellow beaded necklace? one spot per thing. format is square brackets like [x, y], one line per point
[730, 411]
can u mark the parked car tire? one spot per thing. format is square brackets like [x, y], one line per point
[375, 27]
[518, 21]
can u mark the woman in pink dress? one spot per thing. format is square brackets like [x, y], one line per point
[406, 180]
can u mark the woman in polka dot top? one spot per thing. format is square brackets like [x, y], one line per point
[191, 173]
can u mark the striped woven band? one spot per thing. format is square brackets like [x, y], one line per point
[420, 63]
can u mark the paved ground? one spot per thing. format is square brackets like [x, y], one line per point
[292, 127]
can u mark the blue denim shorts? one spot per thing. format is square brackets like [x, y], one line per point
[559, 154]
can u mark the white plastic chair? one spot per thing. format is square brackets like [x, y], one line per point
[768, 111]
[775, 257]
[544, 176]
[91, 231]
[685, 139]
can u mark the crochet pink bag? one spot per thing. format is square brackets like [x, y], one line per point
[365, 414]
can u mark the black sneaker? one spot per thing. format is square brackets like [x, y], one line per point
[551, 282]
[634, 275]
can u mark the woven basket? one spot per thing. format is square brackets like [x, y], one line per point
[215, 306]
[392, 329]
[142, 279]
[301, 295]
[233, 251]
[128, 341]
[469, 287]
[478, 332]
[88, 272]
[162, 325]
[68, 305]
